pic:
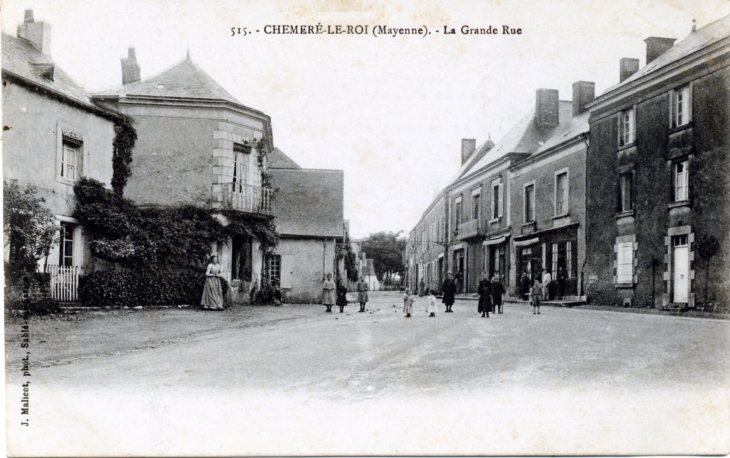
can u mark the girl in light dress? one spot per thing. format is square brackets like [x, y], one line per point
[431, 305]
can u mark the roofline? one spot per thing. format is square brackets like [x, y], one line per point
[177, 101]
[306, 236]
[646, 80]
[302, 169]
[58, 94]
[491, 165]
[550, 151]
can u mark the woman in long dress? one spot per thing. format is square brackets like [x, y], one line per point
[212, 291]
[328, 293]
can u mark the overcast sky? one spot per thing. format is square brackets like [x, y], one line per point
[390, 112]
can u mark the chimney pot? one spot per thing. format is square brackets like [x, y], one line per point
[583, 92]
[656, 46]
[468, 146]
[130, 68]
[547, 108]
[628, 67]
[28, 16]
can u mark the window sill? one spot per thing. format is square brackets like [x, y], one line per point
[495, 220]
[680, 128]
[62, 180]
[528, 223]
[627, 146]
[624, 285]
[561, 216]
[679, 203]
[624, 214]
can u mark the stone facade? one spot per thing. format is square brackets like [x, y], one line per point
[655, 200]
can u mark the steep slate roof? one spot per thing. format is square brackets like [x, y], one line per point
[526, 136]
[309, 202]
[184, 80]
[565, 131]
[700, 38]
[278, 160]
[18, 57]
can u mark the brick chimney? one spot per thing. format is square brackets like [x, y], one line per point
[130, 68]
[468, 146]
[547, 108]
[628, 67]
[656, 46]
[38, 33]
[583, 92]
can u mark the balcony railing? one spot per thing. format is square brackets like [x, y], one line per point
[468, 229]
[247, 198]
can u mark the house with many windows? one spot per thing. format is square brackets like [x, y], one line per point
[53, 134]
[658, 195]
[198, 145]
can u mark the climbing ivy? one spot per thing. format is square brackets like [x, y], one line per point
[126, 137]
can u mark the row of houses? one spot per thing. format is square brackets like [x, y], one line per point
[196, 144]
[627, 193]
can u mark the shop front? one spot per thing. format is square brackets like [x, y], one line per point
[554, 251]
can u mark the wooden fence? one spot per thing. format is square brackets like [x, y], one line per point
[64, 282]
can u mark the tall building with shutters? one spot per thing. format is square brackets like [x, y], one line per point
[657, 171]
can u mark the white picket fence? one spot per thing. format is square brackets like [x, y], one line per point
[64, 282]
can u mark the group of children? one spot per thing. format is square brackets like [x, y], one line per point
[431, 308]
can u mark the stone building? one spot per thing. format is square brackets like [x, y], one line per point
[53, 134]
[658, 195]
[309, 218]
[197, 144]
[547, 195]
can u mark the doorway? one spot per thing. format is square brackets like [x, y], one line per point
[681, 268]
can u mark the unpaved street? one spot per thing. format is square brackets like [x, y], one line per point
[336, 381]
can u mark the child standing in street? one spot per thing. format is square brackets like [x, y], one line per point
[535, 295]
[408, 303]
[431, 304]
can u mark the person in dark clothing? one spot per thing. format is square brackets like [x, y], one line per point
[485, 290]
[525, 283]
[341, 295]
[497, 291]
[448, 289]
[562, 276]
